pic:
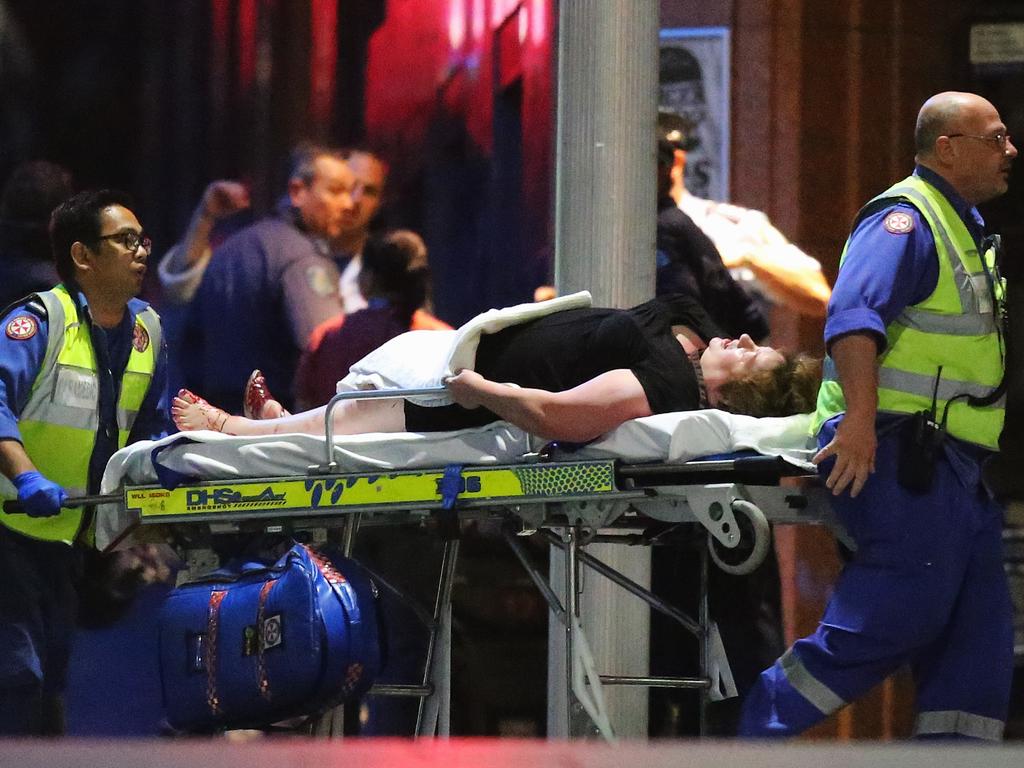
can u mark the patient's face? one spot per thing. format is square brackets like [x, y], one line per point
[731, 359]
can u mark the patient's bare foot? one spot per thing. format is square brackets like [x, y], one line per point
[258, 403]
[190, 412]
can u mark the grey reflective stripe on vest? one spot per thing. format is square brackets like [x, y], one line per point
[40, 405]
[68, 416]
[823, 698]
[828, 369]
[923, 385]
[54, 318]
[152, 322]
[961, 279]
[959, 723]
[948, 325]
[87, 418]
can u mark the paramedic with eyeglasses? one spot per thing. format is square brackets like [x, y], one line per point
[910, 409]
[82, 372]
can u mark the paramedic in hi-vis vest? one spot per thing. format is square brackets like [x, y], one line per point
[82, 373]
[910, 410]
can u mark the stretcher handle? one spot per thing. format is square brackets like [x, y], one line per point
[14, 507]
[366, 394]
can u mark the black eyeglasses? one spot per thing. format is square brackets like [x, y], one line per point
[1001, 139]
[130, 240]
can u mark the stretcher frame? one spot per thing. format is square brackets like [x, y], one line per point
[570, 502]
[613, 503]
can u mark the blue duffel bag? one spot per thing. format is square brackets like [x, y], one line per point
[252, 644]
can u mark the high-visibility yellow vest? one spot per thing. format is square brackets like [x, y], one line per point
[59, 422]
[958, 328]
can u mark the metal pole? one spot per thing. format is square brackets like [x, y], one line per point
[572, 609]
[605, 217]
[605, 174]
[432, 716]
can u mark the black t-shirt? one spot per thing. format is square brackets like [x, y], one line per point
[563, 350]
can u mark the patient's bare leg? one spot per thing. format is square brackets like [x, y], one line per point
[351, 417]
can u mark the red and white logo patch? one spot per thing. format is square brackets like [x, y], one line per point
[899, 223]
[22, 327]
[140, 339]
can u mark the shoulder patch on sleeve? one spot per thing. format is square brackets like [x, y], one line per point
[319, 280]
[22, 327]
[140, 338]
[899, 223]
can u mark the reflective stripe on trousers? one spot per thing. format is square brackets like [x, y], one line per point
[958, 723]
[824, 699]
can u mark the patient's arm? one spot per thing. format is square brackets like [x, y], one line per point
[578, 414]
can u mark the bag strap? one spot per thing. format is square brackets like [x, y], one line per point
[212, 627]
[354, 671]
[325, 566]
[261, 644]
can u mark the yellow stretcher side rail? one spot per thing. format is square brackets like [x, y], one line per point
[283, 496]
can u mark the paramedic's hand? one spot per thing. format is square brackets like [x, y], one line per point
[854, 448]
[40, 497]
[465, 387]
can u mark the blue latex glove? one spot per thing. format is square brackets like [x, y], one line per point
[39, 496]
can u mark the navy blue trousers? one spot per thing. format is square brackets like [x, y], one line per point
[38, 605]
[926, 588]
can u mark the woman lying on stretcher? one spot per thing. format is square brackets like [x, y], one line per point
[580, 373]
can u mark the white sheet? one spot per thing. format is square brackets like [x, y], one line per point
[668, 437]
[424, 359]
[680, 437]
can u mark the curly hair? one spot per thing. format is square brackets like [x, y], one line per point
[789, 388]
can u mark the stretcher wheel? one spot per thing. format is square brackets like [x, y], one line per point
[755, 537]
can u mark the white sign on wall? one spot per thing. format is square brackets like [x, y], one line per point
[994, 44]
[694, 82]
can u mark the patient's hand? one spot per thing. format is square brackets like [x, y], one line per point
[466, 388]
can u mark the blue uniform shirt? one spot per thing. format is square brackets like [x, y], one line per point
[883, 273]
[20, 360]
[266, 288]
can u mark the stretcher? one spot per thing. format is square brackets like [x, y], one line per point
[645, 477]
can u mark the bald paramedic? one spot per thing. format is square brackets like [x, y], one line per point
[82, 373]
[910, 410]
